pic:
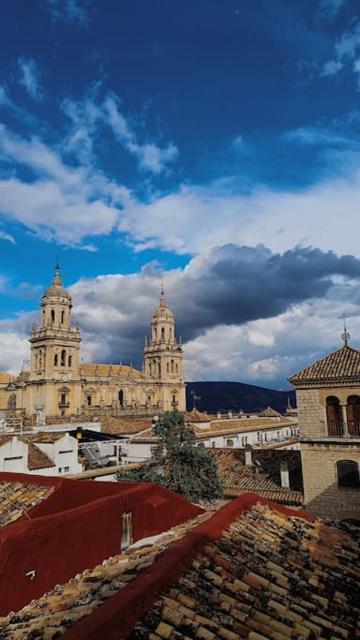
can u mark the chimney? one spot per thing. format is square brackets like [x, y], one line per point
[230, 415]
[218, 415]
[248, 456]
[284, 475]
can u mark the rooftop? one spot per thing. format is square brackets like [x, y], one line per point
[16, 498]
[253, 570]
[91, 369]
[340, 367]
[263, 476]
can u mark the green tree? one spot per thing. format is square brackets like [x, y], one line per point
[188, 469]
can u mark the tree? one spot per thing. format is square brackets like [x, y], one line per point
[188, 469]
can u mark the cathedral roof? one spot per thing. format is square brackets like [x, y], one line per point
[6, 377]
[340, 367]
[56, 288]
[108, 370]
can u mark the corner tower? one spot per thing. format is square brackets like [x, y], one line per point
[55, 343]
[163, 359]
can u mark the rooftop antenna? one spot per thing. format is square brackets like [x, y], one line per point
[345, 335]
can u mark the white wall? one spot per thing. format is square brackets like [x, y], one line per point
[64, 453]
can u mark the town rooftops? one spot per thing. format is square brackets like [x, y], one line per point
[338, 368]
[262, 476]
[195, 416]
[269, 412]
[253, 570]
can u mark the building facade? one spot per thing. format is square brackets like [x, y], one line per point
[56, 384]
[328, 400]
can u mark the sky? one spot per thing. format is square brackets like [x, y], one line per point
[212, 146]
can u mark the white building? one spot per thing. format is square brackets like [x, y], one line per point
[47, 454]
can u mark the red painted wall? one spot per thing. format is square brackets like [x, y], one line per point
[116, 617]
[75, 528]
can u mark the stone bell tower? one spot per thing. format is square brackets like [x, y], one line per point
[163, 359]
[54, 366]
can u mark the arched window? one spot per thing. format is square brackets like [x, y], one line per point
[172, 366]
[121, 398]
[155, 333]
[52, 315]
[69, 361]
[162, 333]
[348, 473]
[353, 415]
[167, 367]
[62, 317]
[63, 358]
[177, 368]
[334, 417]
[56, 360]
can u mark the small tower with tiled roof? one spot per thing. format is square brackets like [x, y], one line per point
[328, 401]
[163, 359]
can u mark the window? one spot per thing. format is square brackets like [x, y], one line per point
[56, 360]
[88, 401]
[172, 366]
[126, 530]
[52, 315]
[229, 442]
[63, 358]
[121, 398]
[66, 469]
[63, 398]
[353, 415]
[348, 473]
[334, 418]
[162, 333]
[69, 361]
[62, 317]
[201, 445]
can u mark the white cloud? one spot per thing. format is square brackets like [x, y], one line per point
[151, 157]
[331, 68]
[61, 202]
[72, 11]
[346, 50]
[7, 236]
[331, 8]
[194, 219]
[30, 78]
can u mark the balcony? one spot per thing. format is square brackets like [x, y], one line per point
[64, 404]
[335, 428]
[338, 429]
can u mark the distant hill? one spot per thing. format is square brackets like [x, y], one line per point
[233, 396]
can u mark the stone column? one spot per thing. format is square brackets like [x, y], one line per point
[344, 415]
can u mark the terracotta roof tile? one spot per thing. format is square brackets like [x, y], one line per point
[263, 476]
[341, 366]
[17, 497]
[37, 459]
[267, 575]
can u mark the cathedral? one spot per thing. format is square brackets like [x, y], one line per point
[57, 384]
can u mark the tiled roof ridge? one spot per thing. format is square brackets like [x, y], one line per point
[305, 373]
[122, 611]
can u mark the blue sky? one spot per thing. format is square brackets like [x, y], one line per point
[212, 145]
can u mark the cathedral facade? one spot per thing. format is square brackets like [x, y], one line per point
[57, 384]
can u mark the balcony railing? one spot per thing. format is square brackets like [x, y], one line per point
[335, 428]
[354, 428]
[338, 429]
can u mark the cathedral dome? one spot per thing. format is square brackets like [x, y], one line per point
[56, 288]
[163, 311]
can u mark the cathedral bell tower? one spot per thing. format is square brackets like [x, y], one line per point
[55, 347]
[163, 359]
